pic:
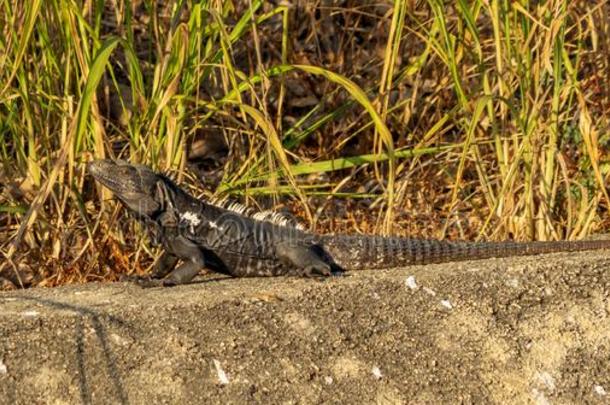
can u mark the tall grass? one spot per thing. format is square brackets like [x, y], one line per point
[469, 119]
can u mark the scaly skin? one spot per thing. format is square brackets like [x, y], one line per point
[205, 235]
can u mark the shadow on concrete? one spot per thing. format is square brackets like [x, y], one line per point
[95, 319]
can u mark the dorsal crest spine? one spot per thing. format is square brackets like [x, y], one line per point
[274, 217]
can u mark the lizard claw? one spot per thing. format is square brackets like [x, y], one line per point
[146, 281]
[129, 278]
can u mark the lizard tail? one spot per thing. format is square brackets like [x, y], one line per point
[376, 252]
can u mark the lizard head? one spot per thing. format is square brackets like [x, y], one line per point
[137, 186]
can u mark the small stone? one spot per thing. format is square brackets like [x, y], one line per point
[411, 283]
[447, 304]
[539, 398]
[547, 380]
[222, 376]
[30, 313]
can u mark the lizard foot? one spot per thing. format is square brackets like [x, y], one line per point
[131, 278]
[147, 282]
[318, 269]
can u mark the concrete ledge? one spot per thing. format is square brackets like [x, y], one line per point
[506, 330]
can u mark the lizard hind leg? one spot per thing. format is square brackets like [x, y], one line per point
[303, 259]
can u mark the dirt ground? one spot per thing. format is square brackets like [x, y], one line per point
[521, 330]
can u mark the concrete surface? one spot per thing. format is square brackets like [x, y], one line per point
[521, 330]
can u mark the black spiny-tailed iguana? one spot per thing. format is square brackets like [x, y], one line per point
[228, 241]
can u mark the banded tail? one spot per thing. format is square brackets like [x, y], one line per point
[376, 252]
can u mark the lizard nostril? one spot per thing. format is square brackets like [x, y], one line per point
[99, 167]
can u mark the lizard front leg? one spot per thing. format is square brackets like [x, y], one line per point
[180, 275]
[194, 261]
[164, 265]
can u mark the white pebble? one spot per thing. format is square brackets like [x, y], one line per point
[222, 376]
[3, 369]
[328, 380]
[119, 339]
[599, 390]
[410, 282]
[447, 304]
[377, 372]
[539, 397]
[546, 379]
[30, 313]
